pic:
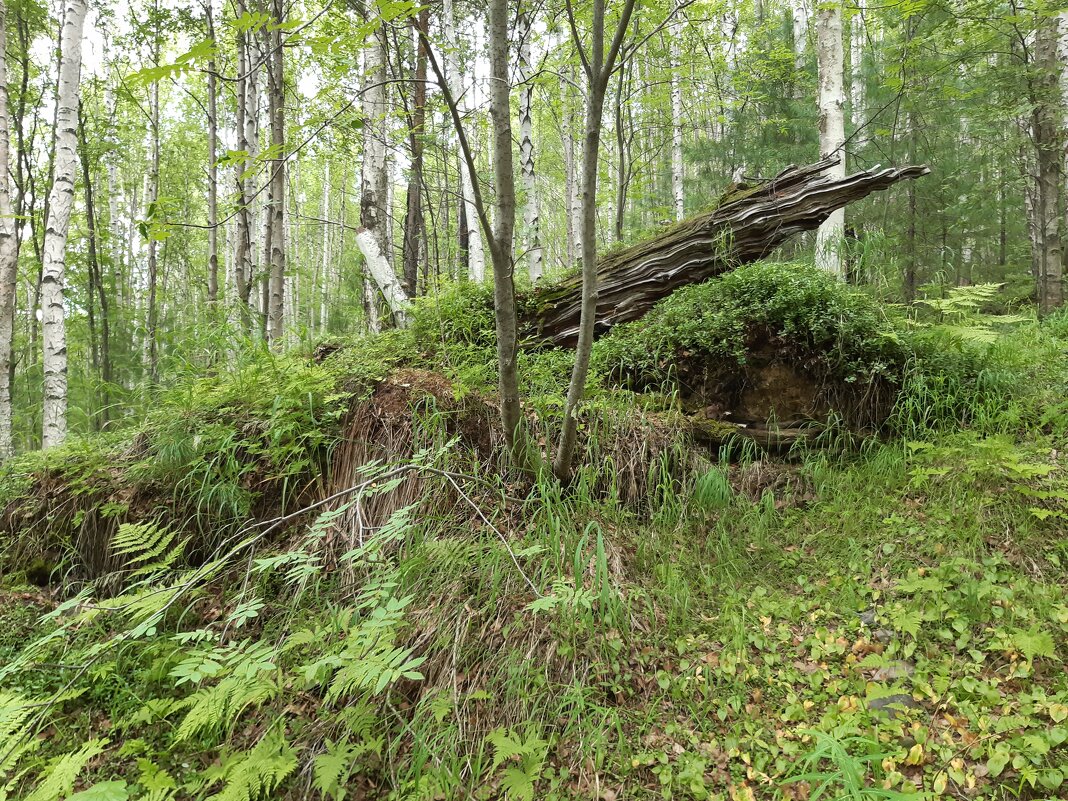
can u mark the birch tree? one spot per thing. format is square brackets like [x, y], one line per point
[373, 238]
[213, 167]
[476, 260]
[414, 224]
[1048, 141]
[9, 255]
[276, 111]
[677, 166]
[247, 135]
[531, 217]
[60, 202]
[830, 58]
[856, 75]
[151, 357]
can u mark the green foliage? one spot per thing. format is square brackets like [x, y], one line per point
[805, 315]
[846, 776]
[360, 363]
[256, 773]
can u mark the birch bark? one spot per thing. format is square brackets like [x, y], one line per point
[61, 200]
[531, 218]
[830, 64]
[9, 255]
[677, 191]
[276, 104]
[374, 194]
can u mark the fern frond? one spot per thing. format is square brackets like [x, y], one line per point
[16, 740]
[146, 543]
[255, 774]
[58, 780]
[219, 706]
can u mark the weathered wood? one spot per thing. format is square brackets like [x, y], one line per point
[746, 226]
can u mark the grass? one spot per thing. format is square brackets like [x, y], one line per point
[886, 620]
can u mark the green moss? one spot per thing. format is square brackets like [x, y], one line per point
[810, 316]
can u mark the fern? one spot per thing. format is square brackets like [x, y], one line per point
[103, 791]
[525, 757]
[218, 707]
[157, 783]
[58, 780]
[147, 546]
[15, 739]
[255, 774]
[333, 768]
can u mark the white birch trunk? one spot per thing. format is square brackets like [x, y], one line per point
[383, 275]
[277, 263]
[476, 257]
[799, 11]
[374, 194]
[60, 202]
[1062, 60]
[830, 61]
[568, 142]
[9, 255]
[531, 218]
[151, 354]
[213, 172]
[324, 268]
[677, 190]
[574, 200]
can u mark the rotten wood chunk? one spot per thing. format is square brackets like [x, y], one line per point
[746, 226]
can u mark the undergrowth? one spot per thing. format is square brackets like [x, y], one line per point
[888, 620]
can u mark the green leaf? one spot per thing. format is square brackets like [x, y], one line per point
[103, 791]
[518, 785]
[997, 762]
[1051, 778]
[1034, 643]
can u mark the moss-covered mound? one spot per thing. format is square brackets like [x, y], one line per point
[767, 341]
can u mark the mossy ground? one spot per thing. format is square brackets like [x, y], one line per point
[887, 618]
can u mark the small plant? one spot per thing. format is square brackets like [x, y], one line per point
[845, 767]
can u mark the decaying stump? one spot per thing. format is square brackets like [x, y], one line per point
[746, 226]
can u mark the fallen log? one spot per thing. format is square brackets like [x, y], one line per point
[746, 226]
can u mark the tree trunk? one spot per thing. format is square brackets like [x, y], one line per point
[276, 103]
[324, 269]
[213, 171]
[9, 256]
[830, 60]
[746, 226]
[570, 181]
[677, 192]
[151, 210]
[501, 243]
[531, 218]
[476, 259]
[856, 75]
[374, 195]
[101, 357]
[599, 68]
[61, 200]
[414, 225]
[248, 135]
[799, 12]
[1049, 163]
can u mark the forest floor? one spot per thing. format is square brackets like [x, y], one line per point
[855, 619]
